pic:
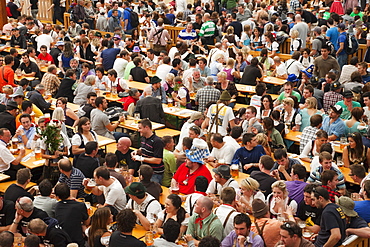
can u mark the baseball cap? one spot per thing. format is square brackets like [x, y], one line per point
[223, 171]
[195, 116]
[341, 26]
[337, 109]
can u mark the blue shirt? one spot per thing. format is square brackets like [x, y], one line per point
[126, 16]
[187, 36]
[171, 18]
[337, 128]
[342, 39]
[74, 181]
[109, 56]
[206, 72]
[366, 78]
[362, 208]
[30, 133]
[333, 35]
[255, 241]
[119, 13]
[244, 156]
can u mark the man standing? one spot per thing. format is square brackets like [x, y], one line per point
[124, 157]
[151, 151]
[114, 21]
[238, 28]
[325, 63]
[188, 34]
[302, 28]
[333, 125]
[100, 122]
[150, 107]
[341, 53]
[333, 221]
[243, 13]
[115, 196]
[207, 31]
[160, 37]
[169, 160]
[206, 94]
[204, 223]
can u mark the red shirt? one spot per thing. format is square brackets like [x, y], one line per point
[182, 174]
[6, 77]
[332, 193]
[48, 57]
[126, 101]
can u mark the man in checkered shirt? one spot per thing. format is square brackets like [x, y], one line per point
[206, 94]
[309, 133]
[333, 96]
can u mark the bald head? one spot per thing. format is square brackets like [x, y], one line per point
[207, 203]
[218, 45]
[277, 59]
[298, 17]
[123, 144]
[148, 91]
[207, 16]
[25, 204]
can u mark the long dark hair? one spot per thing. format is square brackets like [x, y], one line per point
[264, 54]
[266, 96]
[99, 222]
[359, 149]
[176, 202]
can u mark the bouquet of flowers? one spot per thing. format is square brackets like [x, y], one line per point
[51, 135]
[177, 85]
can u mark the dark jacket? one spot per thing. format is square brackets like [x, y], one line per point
[36, 98]
[7, 121]
[79, 13]
[151, 108]
[65, 89]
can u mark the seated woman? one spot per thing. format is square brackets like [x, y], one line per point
[312, 148]
[249, 190]
[231, 73]
[86, 71]
[98, 233]
[356, 152]
[257, 40]
[355, 124]
[267, 106]
[217, 65]
[271, 45]
[225, 85]
[278, 200]
[182, 95]
[268, 62]
[310, 109]
[306, 60]
[83, 89]
[274, 137]
[84, 135]
[71, 119]
[290, 115]
[168, 83]
[173, 210]
[262, 140]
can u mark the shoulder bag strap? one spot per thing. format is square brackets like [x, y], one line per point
[147, 205]
[213, 122]
[209, 225]
[191, 205]
[290, 65]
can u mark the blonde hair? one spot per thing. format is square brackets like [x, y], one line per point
[262, 139]
[7, 89]
[280, 184]
[289, 101]
[294, 34]
[247, 28]
[230, 62]
[311, 103]
[218, 56]
[250, 184]
[222, 74]
[230, 30]
[170, 77]
[58, 114]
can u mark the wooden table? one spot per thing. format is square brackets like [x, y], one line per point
[19, 50]
[32, 163]
[6, 37]
[105, 141]
[139, 232]
[178, 112]
[18, 78]
[138, 85]
[5, 185]
[273, 80]
[130, 125]
[71, 106]
[3, 177]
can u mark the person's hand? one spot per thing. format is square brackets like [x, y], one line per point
[275, 174]
[241, 240]
[58, 153]
[133, 153]
[188, 237]
[22, 152]
[281, 168]
[36, 136]
[121, 118]
[18, 217]
[85, 181]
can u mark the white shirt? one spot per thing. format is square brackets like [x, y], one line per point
[224, 116]
[190, 201]
[172, 52]
[114, 194]
[99, 82]
[232, 142]
[226, 153]
[161, 217]
[222, 212]
[216, 188]
[293, 204]
[163, 70]
[294, 67]
[120, 66]
[366, 112]
[281, 70]
[6, 157]
[184, 133]
[44, 39]
[152, 210]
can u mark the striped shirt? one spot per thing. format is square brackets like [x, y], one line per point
[74, 181]
[187, 36]
[315, 177]
[208, 29]
[153, 147]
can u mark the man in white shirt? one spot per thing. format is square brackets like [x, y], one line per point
[221, 180]
[112, 189]
[196, 118]
[366, 99]
[120, 63]
[213, 53]
[144, 205]
[151, 59]
[348, 69]
[280, 69]
[221, 152]
[44, 39]
[164, 68]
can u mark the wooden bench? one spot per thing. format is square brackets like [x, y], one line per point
[167, 132]
[5, 185]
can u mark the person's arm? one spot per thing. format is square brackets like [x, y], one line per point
[74, 193]
[143, 220]
[112, 127]
[363, 232]
[17, 219]
[335, 236]
[17, 160]
[73, 116]
[345, 157]
[95, 190]
[341, 47]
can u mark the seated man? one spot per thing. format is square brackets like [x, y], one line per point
[325, 160]
[138, 74]
[51, 235]
[7, 212]
[362, 207]
[211, 225]
[333, 125]
[345, 103]
[26, 131]
[36, 98]
[73, 177]
[249, 155]
[242, 233]
[111, 164]
[262, 176]
[222, 179]
[329, 180]
[251, 124]
[283, 165]
[44, 201]
[291, 235]
[169, 160]
[201, 184]
[192, 167]
[124, 158]
[87, 162]
[145, 175]
[144, 205]
[14, 191]
[307, 209]
[221, 151]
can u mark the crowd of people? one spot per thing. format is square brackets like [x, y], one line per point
[282, 201]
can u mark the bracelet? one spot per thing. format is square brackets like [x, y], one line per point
[15, 222]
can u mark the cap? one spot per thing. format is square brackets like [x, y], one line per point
[136, 189]
[347, 205]
[225, 96]
[198, 151]
[98, 34]
[107, 35]
[155, 79]
[337, 109]
[195, 116]
[18, 92]
[39, 86]
[117, 37]
[136, 49]
[347, 94]
[59, 43]
[309, 71]
[223, 171]
[259, 208]
[11, 105]
[223, 9]
[341, 26]
[335, 85]
[292, 78]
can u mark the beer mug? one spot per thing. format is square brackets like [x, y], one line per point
[37, 153]
[234, 171]
[175, 188]
[136, 117]
[343, 142]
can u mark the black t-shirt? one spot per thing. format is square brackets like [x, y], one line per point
[153, 188]
[238, 28]
[57, 237]
[332, 217]
[36, 214]
[119, 239]
[34, 4]
[70, 214]
[31, 68]
[264, 180]
[125, 159]
[13, 192]
[197, 26]
[250, 74]
[138, 74]
[153, 147]
[8, 121]
[356, 222]
[305, 211]
[7, 213]
[87, 165]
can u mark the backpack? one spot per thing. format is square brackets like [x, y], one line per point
[328, 43]
[114, 113]
[351, 44]
[134, 18]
